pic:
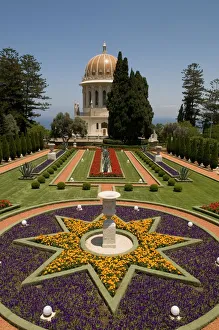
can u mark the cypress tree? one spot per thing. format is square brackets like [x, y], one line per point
[193, 154]
[5, 149]
[23, 145]
[207, 155]
[33, 141]
[18, 145]
[41, 141]
[180, 117]
[174, 145]
[214, 155]
[187, 147]
[0, 152]
[169, 144]
[29, 144]
[37, 141]
[200, 152]
[182, 150]
[177, 146]
[12, 147]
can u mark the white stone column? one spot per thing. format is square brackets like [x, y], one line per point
[84, 97]
[100, 96]
[93, 95]
[87, 97]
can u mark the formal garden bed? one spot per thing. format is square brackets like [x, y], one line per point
[211, 209]
[75, 297]
[6, 206]
[48, 162]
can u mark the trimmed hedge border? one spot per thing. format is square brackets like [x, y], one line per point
[212, 214]
[10, 208]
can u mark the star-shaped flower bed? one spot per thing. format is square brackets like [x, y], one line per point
[112, 274]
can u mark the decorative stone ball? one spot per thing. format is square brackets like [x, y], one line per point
[140, 181]
[47, 311]
[190, 224]
[72, 179]
[24, 222]
[136, 208]
[21, 156]
[127, 161]
[79, 208]
[175, 310]
[217, 261]
[82, 159]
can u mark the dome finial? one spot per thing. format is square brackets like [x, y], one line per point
[104, 47]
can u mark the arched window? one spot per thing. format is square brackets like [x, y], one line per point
[89, 93]
[96, 97]
[97, 125]
[104, 125]
[104, 97]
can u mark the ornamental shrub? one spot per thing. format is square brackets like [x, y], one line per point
[154, 167]
[157, 169]
[35, 184]
[128, 187]
[50, 170]
[177, 187]
[166, 177]
[58, 164]
[161, 173]
[46, 175]
[86, 186]
[154, 187]
[61, 185]
[54, 167]
[171, 182]
[41, 179]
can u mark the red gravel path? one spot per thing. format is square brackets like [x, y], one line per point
[21, 161]
[143, 172]
[209, 174]
[64, 175]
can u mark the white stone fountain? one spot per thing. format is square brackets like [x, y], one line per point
[108, 241]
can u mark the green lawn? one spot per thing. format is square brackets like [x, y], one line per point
[20, 192]
[201, 191]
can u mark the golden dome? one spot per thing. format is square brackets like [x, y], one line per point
[100, 67]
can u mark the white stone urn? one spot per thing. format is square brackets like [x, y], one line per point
[158, 157]
[109, 226]
[51, 146]
[51, 155]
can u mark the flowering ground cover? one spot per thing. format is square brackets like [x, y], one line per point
[212, 207]
[47, 162]
[4, 203]
[171, 171]
[77, 301]
[96, 165]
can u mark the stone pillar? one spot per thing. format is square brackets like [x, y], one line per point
[87, 97]
[100, 96]
[84, 97]
[93, 95]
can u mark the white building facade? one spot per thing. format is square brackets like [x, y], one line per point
[96, 84]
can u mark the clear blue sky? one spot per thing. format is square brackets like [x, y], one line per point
[159, 38]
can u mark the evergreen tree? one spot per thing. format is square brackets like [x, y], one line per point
[193, 154]
[193, 84]
[37, 141]
[117, 100]
[33, 141]
[181, 115]
[18, 145]
[182, 150]
[177, 146]
[207, 154]
[28, 143]
[200, 152]
[12, 147]
[5, 149]
[210, 110]
[187, 147]
[174, 145]
[0, 152]
[41, 140]
[214, 155]
[23, 145]
[169, 144]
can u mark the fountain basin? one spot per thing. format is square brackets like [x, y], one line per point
[92, 242]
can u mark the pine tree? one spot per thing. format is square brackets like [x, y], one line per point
[18, 145]
[180, 117]
[41, 140]
[193, 84]
[200, 152]
[5, 149]
[29, 144]
[207, 155]
[23, 145]
[214, 155]
[12, 147]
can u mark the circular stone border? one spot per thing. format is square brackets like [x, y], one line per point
[100, 231]
[210, 320]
